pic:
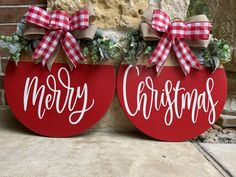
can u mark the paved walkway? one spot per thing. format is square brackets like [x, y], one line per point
[224, 155]
[105, 154]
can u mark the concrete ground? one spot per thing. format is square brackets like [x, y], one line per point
[224, 155]
[107, 154]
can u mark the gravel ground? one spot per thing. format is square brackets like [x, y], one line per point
[217, 134]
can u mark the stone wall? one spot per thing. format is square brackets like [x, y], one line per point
[120, 14]
[223, 13]
[110, 13]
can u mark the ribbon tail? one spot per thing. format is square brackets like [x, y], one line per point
[160, 54]
[47, 46]
[53, 58]
[70, 64]
[185, 56]
[72, 49]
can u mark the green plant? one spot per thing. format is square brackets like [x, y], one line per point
[217, 52]
[133, 45]
[130, 47]
[13, 44]
[197, 7]
[101, 48]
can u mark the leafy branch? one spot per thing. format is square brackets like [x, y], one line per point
[129, 48]
[133, 45]
[218, 51]
[14, 45]
[101, 48]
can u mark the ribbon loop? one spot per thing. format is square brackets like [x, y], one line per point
[199, 30]
[160, 21]
[80, 20]
[58, 25]
[59, 20]
[38, 16]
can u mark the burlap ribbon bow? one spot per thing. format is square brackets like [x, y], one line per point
[58, 27]
[176, 35]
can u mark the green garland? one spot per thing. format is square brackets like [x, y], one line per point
[133, 45]
[13, 45]
[218, 51]
[129, 48]
[99, 49]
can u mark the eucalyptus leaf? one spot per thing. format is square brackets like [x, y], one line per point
[20, 27]
[140, 49]
[133, 45]
[101, 53]
[200, 55]
[15, 48]
[2, 44]
[13, 44]
[217, 52]
[104, 51]
[216, 63]
[85, 51]
[148, 50]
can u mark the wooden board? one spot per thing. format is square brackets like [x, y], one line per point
[59, 103]
[171, 106]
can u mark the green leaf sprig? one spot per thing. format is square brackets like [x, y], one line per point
[218, 52]
[14, 44]
[101, 48]
[129, 48]
[133, 45]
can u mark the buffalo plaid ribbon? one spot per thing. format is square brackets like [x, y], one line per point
[173, 36]
[58, 25]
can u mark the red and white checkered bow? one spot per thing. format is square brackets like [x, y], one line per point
[174, 34]
[58, 25]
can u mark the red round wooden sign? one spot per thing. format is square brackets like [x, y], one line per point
[60, 102]
[171, 106]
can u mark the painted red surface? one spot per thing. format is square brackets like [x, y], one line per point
[171, 107]
[59, 103]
